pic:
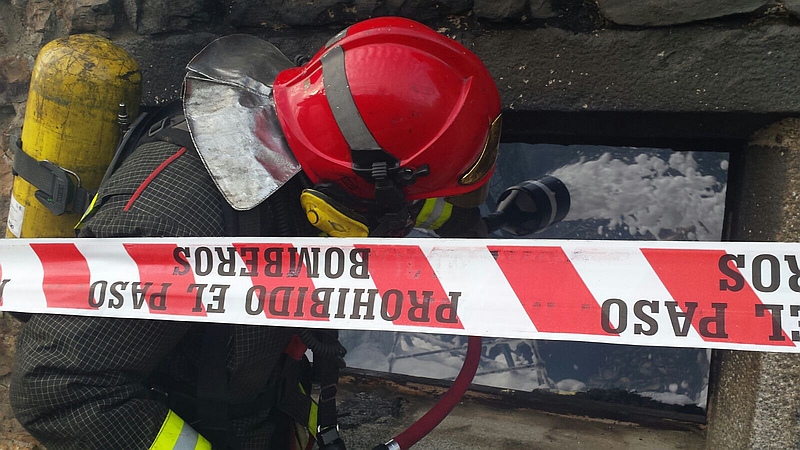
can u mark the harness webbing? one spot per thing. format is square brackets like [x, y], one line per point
[213, 383]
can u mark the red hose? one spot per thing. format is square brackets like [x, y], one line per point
[442, 408]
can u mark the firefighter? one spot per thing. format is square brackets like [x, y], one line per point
[389, 126]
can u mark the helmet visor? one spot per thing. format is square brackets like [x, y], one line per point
[231, 115]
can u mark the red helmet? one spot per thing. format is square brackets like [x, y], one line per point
[391, 90]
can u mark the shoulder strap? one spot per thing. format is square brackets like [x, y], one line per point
[164, 124]
[127, 144]
[172, 128]
[242, 223]
[213, 386]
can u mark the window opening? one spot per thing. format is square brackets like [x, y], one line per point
[617, 193]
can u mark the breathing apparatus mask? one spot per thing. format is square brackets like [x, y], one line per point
[337, 214]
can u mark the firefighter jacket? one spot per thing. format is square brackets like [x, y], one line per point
[83, 383]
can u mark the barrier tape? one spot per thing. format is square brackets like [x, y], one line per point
[728, 295]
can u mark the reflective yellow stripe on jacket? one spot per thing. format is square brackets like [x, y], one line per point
[175, 434]
[434, 214]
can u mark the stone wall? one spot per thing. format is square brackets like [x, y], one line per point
[724, 67]
[546, 55]
[559, 55]
[715, 57]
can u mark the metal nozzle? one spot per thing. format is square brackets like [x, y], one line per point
[530, 207]
[123, 119]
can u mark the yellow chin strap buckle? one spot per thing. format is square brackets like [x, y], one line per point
[332, 217]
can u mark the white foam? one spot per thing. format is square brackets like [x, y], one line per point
[648, 195]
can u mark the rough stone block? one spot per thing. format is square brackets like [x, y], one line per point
[793, 6]
[427, 10]
[45, 20]
[418, 9]
[162, 61]
[159, 16]
[131, 8]
[673, 12]
[40, 15]
[700, 68]
[93, 15]
[499, 9]
[289, 12]
[162, 58]
[542, 9]
[15, 74]
[275, 15]
[308, 12]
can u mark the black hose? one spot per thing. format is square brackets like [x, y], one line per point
[332, 349]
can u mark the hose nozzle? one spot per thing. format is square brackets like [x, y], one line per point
[391, 445]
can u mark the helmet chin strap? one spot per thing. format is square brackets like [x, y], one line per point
[369, 160]
[396, 221]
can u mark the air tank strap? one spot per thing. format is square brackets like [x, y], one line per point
[57, 187]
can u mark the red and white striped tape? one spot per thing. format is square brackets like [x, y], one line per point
[680, 294]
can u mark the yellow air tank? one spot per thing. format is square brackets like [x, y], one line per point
[71, 123]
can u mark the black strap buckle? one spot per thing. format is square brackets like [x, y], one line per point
[329, 439]
[55, 186]
[56, 198]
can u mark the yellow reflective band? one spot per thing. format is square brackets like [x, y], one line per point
[202, 443]
[435, 212]
[88, 213]
[302, 438]
[312, 419]
[175, 434]
[312, 415]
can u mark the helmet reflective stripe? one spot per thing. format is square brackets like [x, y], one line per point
[340, 99]
[175, 434]
[336, 38]
[435, 212]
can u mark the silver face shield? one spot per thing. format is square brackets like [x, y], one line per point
[232, 120]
